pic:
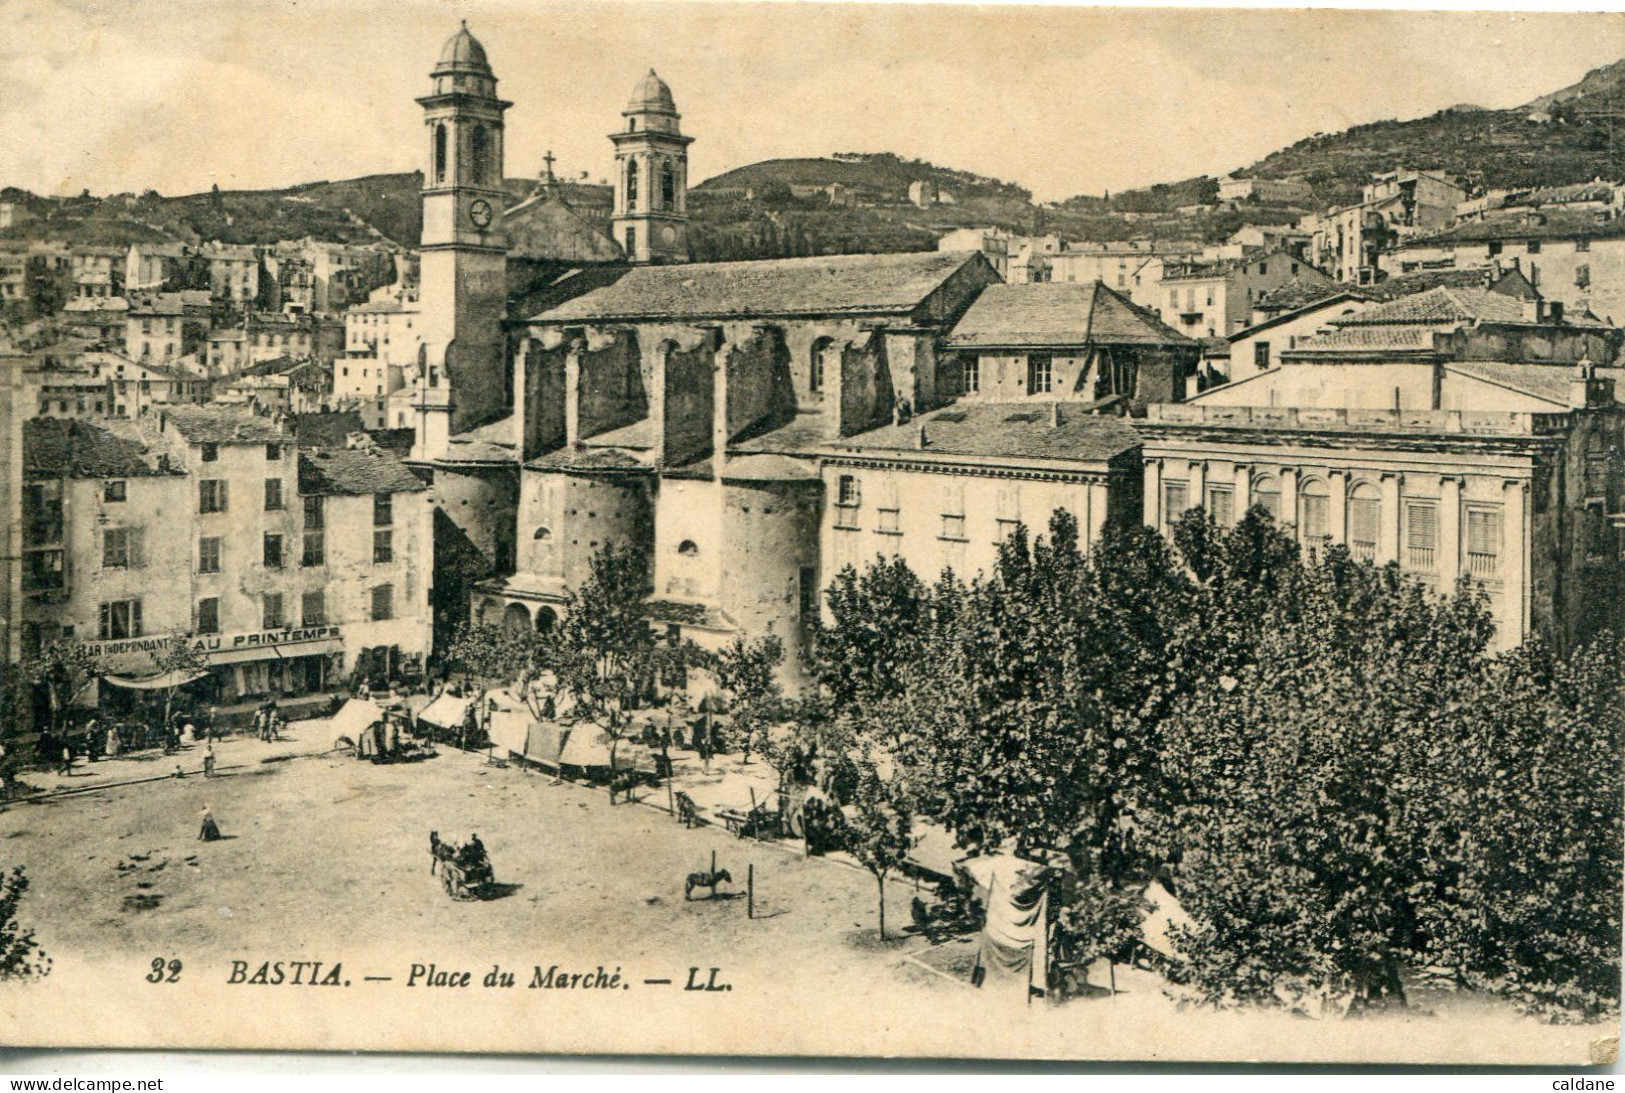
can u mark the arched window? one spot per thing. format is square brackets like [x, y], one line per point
[1267, 495]
[440, 153]
[479, 154]
[1365, 521]
[516, 619]
[543, 533]
[668, 187]
[688, 548]
[631, 185]
[545, 618]
[1313, 510]
[815, 370]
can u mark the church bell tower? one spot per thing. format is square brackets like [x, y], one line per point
[651, 177]
[463, 285]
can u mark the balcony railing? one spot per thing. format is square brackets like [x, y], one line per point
[1483, 563]
[1364, 552]
[1419, 558]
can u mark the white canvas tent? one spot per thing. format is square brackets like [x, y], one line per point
[354, 718]
[447, 711]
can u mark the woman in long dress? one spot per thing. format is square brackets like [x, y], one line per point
[210, 830]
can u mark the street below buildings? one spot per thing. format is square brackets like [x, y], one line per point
[325, 860]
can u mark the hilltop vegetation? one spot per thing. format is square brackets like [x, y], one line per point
[784, 207]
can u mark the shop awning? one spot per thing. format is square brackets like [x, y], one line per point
[178, 678]
[274, 652]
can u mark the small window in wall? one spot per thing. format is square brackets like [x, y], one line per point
[479, 154]
[1261, 355]
[271, 611]
[543, 534]
[120, 619]
[383, 603]
[1266, 494]
[631, 193]
[1365, 522]
[208, 615]
[1040, 374]
[313, 609]
[1421, 535]
[1176, 498]
[114, 491]
[1484, 541]
[1534, 246]
[848, 491]
[886, 521]
[972, 365]
[440, 153]
[631, 241]
[1314, 511]
[668, 187]
[211, 452]
[1221, 505]
[688, 548]
[208, 554]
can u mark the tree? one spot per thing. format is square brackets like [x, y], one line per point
[494, 654]
[61, 668]
[879, 831]
[20, 955]
[180, 663]
[747, 671]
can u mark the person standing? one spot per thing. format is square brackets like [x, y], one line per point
[208, 761]
[209, 831]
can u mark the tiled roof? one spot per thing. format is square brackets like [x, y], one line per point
[488, 443]
[1408, 284]
[1010, 430]
[768, 468]
[1442, 306]
[85, 449]
[1359, 339]
[354, 471]
[588, 460]
[1548, 382]
[326, 429]
[223, 425]
[97, 303]
[1298, 293]
[853, 284]
[389, 306]
[1057, 315]
[535, 288]
[1576, 224]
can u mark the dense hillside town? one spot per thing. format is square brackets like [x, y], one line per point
[993, 544]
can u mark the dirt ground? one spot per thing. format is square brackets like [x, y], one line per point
[327, 859]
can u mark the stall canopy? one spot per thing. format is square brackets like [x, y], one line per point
[447, 711]
[179, 677]
[355, 717]
[587, 746]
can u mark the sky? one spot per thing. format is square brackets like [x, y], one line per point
[179, 95]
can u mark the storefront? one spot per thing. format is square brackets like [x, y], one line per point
[239, 666]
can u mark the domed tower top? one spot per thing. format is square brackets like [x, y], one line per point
[651, 107]
[463, 68]
[463, 53]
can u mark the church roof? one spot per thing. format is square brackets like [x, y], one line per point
[651, 96]
[1057, 314]
[847, 284]
[998, 430]
[463, 51]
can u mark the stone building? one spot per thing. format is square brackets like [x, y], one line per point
[1215, 299]
[677, 407]
[1068, 342]
[208, 525]
[1576, 258]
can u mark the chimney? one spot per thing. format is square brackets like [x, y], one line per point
[1055, 415]
[1585, 389]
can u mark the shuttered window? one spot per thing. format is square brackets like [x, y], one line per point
[1483, 541]
[1421, 535]
[1365, 524]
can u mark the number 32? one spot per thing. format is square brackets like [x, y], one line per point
[164, 971]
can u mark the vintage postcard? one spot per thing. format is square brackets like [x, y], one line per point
[836, 530]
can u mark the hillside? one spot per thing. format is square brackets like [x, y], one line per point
[851, 202]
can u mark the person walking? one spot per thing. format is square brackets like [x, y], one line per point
[209, 831]
[208, 761]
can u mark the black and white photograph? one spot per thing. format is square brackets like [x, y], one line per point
[836, 530]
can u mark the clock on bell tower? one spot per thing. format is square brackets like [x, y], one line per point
[464, 251]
